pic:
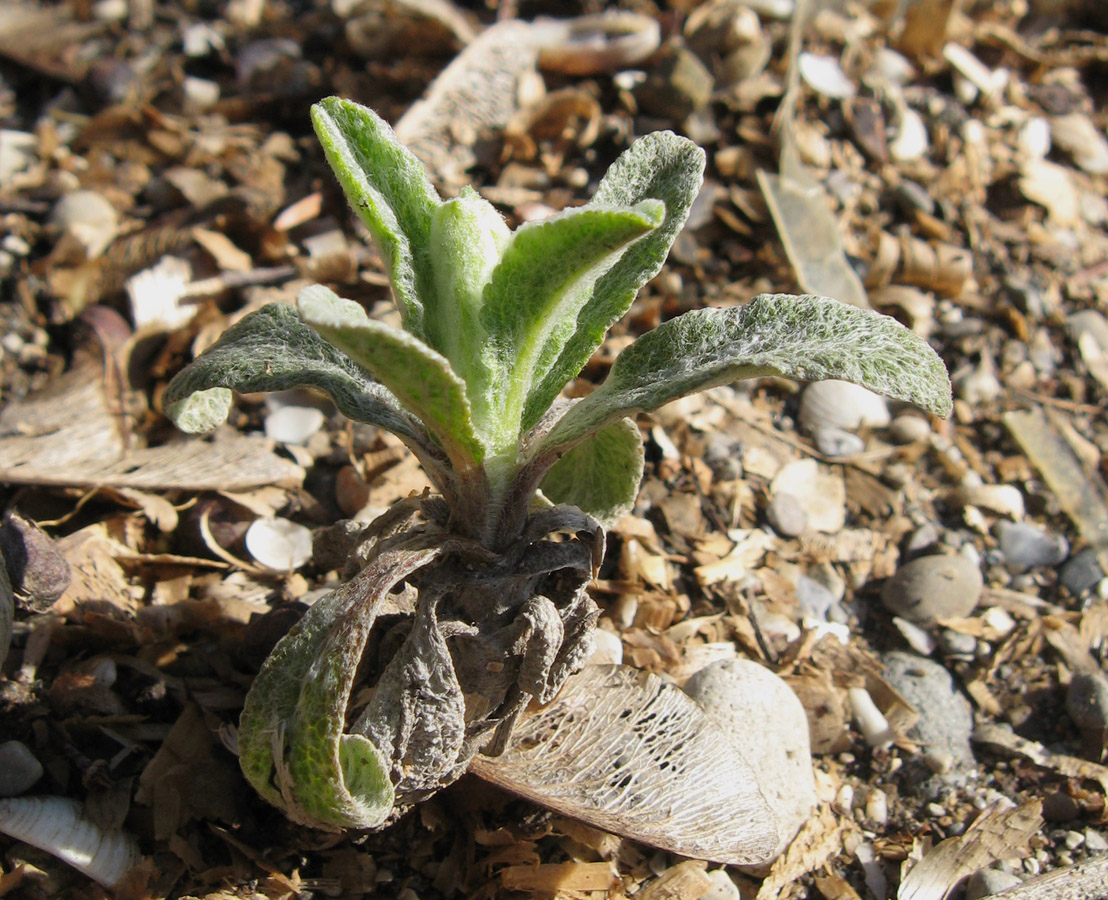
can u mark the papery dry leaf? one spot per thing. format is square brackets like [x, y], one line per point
[995, 834]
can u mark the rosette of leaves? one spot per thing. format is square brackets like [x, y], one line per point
[479, 595]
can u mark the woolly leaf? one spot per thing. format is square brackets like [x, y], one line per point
[601, 475]
[808, 338]
[273, 350]
[662, 166]
[389, 190]
[418, 376]
[544, 278]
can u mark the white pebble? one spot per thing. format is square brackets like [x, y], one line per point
[279, 544]
[293, 424]
[869, 719]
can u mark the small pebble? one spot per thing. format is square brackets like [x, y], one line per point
[1059, 806]
[813, 598]
[1026, 546]
[824, 75]
[1080, 138]
[293, 424]
[1095, 842]
[836, 443]
[87, 217]
[723, 888]
[1074, 839]
[869, 719]
[279, 544]
[841, 404]
[934, 587]
[911, 195]
[607, 649]
[19, 769]
[877, 808]
[986, 882]
[946, 720]
[909, 428]
[1081, 572]
[911, 141]
[954, 643]
[786, 515]
[1087, 701]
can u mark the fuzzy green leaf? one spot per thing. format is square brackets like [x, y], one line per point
[273, 350]
[601, 475]
[417, 375]
[389, 189]
[544, 278]
[807, 338]
[468, 236]
[662, 166]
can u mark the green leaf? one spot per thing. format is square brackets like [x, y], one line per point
[389, 189]
[273, 350]
[468, 236]
[662, 166]
[544, 278]
[807, 338]
[291, 741]
[418, 376]
[601, 475]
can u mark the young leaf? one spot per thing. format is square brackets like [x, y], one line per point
[662, 166]
[807, 338]
[601, 475]
[468, 236]
[543, 279]
[388, 188]
[273, 350]
[419, 377]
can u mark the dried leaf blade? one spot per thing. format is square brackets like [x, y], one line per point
[624, 751]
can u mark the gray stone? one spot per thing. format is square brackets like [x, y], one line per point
[1087, 701]
[934, 587]
[770, 729]
[945, 717]
[786, 514]
[1027, 546]
[1081, 572]
[678, 86]
[19, 769]
[813, 598]
[835, 442]
[985, 882]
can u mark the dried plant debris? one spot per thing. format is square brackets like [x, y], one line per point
[933, 592]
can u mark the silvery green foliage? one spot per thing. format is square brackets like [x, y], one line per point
[494, 324]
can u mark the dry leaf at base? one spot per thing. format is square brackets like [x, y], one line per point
[819, 490]
[553, 878]
[819, 841]
[188, 777]
[996, 834]
[1001, 739]
[1082, 494]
